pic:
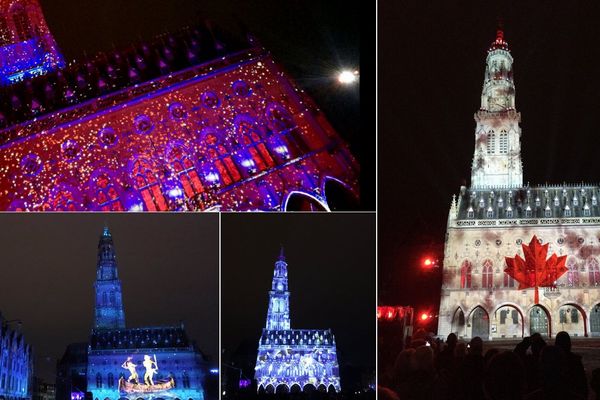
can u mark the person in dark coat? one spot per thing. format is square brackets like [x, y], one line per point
[574, 371]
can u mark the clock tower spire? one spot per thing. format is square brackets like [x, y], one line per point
[497, 156]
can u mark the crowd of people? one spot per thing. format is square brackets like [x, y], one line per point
[536, 369]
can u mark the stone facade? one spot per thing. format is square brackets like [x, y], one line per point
[493, 218]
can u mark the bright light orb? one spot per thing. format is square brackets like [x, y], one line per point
[348, 77]
[424, 316]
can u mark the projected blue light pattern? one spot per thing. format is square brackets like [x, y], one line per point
[109, 301]
[16, 364]
[136, 363]
[291, 360]
[147, 363]
[278, 316]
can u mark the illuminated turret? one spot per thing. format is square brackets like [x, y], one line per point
[278, 316]
[27, 48]
[109, 302]
[497, 157]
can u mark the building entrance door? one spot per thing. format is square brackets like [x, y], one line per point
[538, 321]
[595, 321]
[481, 324]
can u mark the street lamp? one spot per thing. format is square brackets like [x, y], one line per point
[347, 77]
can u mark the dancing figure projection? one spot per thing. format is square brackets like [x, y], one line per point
[130, 366]
[151, 368]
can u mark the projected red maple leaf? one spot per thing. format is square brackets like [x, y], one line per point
[535, 270]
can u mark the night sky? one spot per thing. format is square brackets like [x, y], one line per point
[331, 275]
[431, 66]
[312, 39]
[168, 266]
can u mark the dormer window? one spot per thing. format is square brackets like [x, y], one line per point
[547, 212]
[470, 213]
[567, 212]
[481, 203]
[509, 212]
[586, 211]
[500, 202]
[556, 201]
[575, 201]
[528, 212]
[490, 212]
[537, 202]
[594, 200]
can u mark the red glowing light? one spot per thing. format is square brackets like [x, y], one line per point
[424, 316]
[428, 262]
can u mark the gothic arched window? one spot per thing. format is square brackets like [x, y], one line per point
[491, 142]
[111, 380]
[248, 133]
[509, 282]
[106, 194]
[99, 380]
[220, 157]
[593, 272]
[487, 277]
[503, 142]
[572, 273]
[148, 185]
[22, 24]
[186, 172]
[465, 275]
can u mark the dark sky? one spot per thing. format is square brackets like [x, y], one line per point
[431, 66]
[331, 272]
[312, 39]
[168, 266]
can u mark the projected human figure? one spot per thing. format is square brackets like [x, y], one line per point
[151, 368]
[130, 366]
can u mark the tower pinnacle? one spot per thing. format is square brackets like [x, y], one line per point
[497, 156]
[278, 316]
[109, 302]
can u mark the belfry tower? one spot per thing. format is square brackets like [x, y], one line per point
[109, 301]
[278, 316]
[497, 157]
[27, 48]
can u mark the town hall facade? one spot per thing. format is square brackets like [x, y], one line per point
[497, 214]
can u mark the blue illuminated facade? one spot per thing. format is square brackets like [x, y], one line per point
[109, 300]
[292, 360]
[136, 363]
[16, 364]
[118, 364]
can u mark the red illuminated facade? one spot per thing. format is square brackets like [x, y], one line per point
[188, 122]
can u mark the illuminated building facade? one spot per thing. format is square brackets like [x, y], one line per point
[133, 363]
[292, 360]
[27, 48]
[189, 121]
[16, 364]
[493, 218]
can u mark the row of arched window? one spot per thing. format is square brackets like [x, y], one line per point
[223, 166]
[487, 274]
